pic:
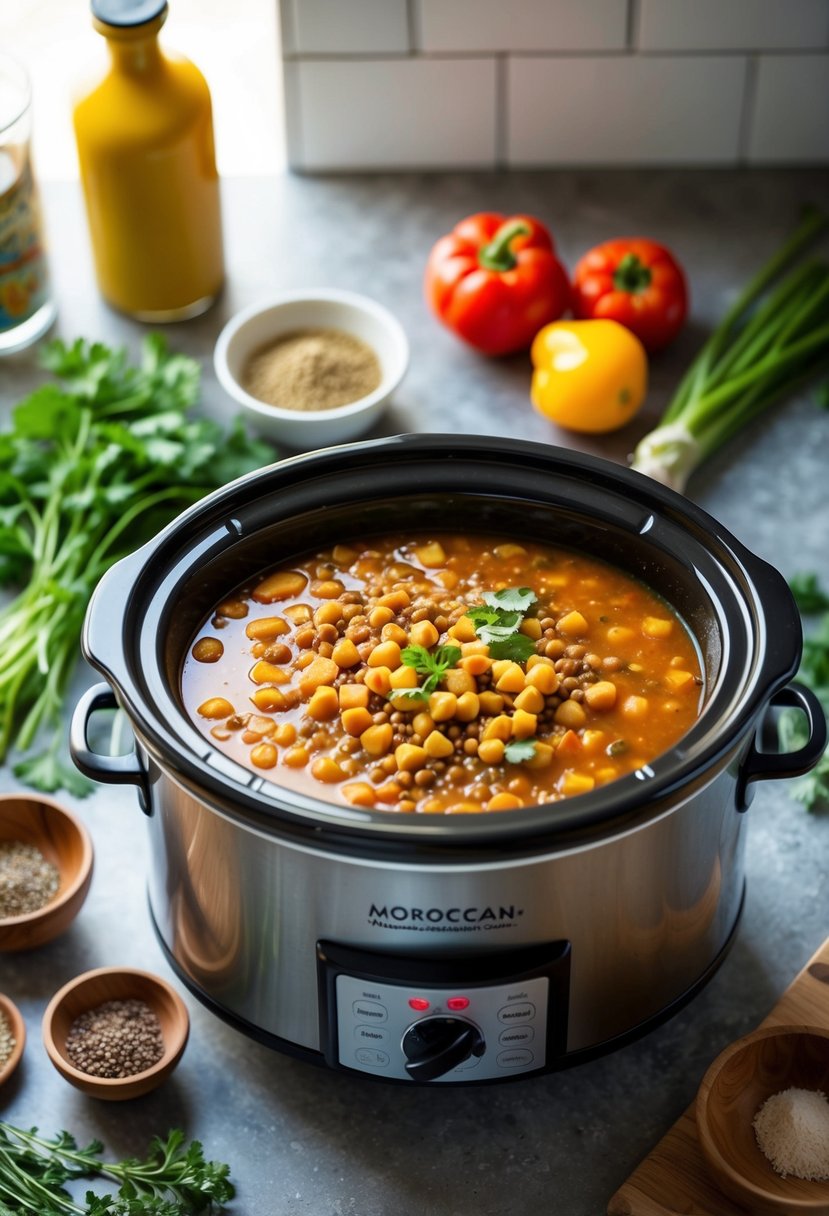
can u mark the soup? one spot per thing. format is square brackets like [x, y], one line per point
[443, 674]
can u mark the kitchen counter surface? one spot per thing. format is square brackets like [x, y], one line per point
[304, 1142]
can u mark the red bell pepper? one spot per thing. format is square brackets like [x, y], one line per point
[495, 281]
[635, 282]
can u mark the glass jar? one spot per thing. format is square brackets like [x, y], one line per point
[26, 306]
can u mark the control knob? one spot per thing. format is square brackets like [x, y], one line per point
[434, 1046]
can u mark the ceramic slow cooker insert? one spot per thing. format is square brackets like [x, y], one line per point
[445, 949]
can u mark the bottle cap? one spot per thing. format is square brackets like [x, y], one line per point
[125, 13]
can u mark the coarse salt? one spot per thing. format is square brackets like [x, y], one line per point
[792, 1130]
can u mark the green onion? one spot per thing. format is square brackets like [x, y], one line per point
[772, 340]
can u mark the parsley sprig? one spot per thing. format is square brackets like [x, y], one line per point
[813, 789]
[432, 666]
[498, 622]
[174, 1179]
[95, 462]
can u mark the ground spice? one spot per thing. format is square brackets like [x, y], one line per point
[312, 369]
[792, 1130]
[27, 880]
[7, 1040]
[117, 1039]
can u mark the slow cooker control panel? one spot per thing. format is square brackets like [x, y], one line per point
[444, 1021]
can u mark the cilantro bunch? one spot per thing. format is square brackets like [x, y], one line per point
[173, 1180]
[498, 622]
[94, 464]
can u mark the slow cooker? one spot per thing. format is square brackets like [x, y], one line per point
[445, 949]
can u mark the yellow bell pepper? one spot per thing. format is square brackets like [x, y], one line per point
[589, 375]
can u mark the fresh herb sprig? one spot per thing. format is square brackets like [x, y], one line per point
[174, 1179]
[432, 666]
[519, 750]
[94, 463]
[498, 622]
[813, 789]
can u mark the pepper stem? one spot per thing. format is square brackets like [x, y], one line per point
[631, 274]
[497, 255]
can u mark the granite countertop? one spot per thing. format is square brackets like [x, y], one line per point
[305, 1142]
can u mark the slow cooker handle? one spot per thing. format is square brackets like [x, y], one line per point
[762, 766]
[111, 770]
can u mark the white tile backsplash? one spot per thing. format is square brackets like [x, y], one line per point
[342, 27]
[520, 25]
[388, 84]
[624, 110]
[399, 113]
[791, 110]
[732, 25]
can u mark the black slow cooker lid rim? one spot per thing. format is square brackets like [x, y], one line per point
[622, 798]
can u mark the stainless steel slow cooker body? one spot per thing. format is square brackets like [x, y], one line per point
[458, 949]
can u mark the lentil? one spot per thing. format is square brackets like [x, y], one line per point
[117, 1039]
[27, 880]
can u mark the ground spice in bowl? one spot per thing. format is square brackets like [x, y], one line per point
[312, 369]
[116, 1039]
[7, 1041]
[27, 880]
[792, 1130]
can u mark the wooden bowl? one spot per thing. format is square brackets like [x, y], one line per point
[13, 1016]
[92, 989]
[734, 1087]
[65, 842]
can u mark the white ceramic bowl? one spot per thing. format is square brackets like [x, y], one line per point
[326, 308]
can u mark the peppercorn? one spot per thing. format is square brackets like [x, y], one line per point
[116, 1039]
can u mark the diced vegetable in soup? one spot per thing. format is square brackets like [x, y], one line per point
[443, 674]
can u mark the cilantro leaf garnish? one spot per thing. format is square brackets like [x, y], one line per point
[511, 599]
[432, 666]
[517, 647]
[519, 750]
[498, 622]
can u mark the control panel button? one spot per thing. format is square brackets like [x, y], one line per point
[521, 1011]
[373, 1036]
[456, 1003]
[514, 1036]
[369, 1058]
[517, 1057]
[370, 1011]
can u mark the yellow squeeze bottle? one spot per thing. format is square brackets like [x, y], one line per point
[148, 167]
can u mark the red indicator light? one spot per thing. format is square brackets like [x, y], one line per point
[418, 1003]
[458, 1002]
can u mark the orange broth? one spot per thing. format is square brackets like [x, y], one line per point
[310, 676]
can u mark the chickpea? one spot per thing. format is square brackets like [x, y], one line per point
[264, 755]
[208, 650]
[215, 707]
